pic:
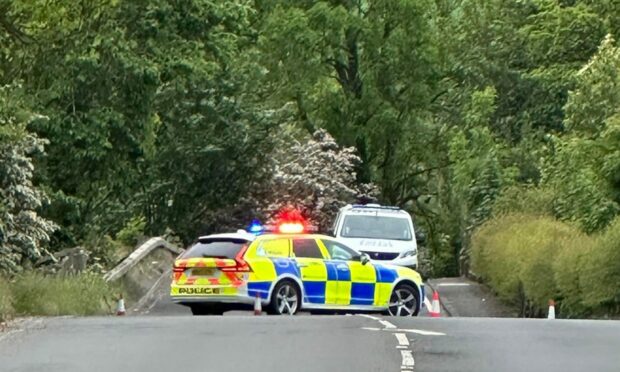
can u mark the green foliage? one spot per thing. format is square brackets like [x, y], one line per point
[6, 301]
[22, 231]
[528, 259]
[133, 231]
[525, 199]
[601, 272]
[583, 167]
[84, 294]
[164, 115]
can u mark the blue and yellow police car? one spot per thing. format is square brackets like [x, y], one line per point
[288, 271]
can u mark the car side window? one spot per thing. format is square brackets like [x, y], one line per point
[273, 248]
[338, 251]
[306, 248]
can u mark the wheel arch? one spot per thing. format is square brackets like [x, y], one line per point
[291, 278]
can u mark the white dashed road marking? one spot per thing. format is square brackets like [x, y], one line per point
[402, 339]
[408, 361]
[403, 342]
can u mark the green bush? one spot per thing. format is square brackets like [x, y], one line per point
[569, 268]
[84, 294]
[515, 255]
[601, 273]
[6, 301]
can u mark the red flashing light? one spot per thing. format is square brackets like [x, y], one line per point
[291, 228]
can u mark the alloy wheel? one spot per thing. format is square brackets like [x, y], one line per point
[402, 302]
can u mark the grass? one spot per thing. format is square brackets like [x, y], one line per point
[6, 303]
[33, 293]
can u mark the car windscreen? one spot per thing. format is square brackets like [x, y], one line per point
[376, 227]
[216, 248]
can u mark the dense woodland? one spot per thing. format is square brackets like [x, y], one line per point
[122, 118]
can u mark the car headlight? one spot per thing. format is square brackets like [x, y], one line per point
[409, 253]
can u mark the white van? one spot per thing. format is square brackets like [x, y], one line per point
[386, 234]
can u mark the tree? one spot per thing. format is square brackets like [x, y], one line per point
[313, 176]
[583, 168]
[23, 233]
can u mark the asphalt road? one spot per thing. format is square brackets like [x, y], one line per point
[163, 336]
[309, 343]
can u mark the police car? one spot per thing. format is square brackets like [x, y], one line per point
[288, 271]
[385, 233]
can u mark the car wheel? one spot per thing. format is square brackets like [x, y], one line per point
[204, 309]
[404, 301]
[285, 299]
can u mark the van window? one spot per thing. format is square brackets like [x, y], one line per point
[376, 227]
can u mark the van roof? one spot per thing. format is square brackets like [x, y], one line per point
[373, 208]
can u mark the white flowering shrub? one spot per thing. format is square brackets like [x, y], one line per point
[314, 176]
[22, 230]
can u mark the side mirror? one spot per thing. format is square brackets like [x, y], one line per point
[364, 259]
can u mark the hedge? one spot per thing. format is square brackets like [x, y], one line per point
[528, 259]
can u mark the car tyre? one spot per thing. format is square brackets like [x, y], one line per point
[404, 301]
[203, 309]
[285, 298]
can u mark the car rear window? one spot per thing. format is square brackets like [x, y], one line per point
[216, 248]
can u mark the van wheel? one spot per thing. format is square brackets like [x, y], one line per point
[285, 299]
[404, 301]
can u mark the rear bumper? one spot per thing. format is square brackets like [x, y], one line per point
[212, 299]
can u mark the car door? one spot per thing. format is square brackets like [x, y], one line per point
[355, 282]
[309, 259]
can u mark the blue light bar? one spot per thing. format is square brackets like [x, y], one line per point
[256, 227]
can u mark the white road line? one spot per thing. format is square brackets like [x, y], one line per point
[402, 339]
[453, 284]
[422, 332]
[387, 324]
[371, 329]
[369, 317]
[401, 347]
[408, 361]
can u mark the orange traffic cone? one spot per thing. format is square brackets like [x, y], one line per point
[120, 306]
[435, 310]
[258, 308]
[551, 314]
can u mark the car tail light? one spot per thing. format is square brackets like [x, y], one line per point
[177, 269]
[242, 265]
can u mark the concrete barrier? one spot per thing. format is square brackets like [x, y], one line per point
[143, 270]
[138, 255]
